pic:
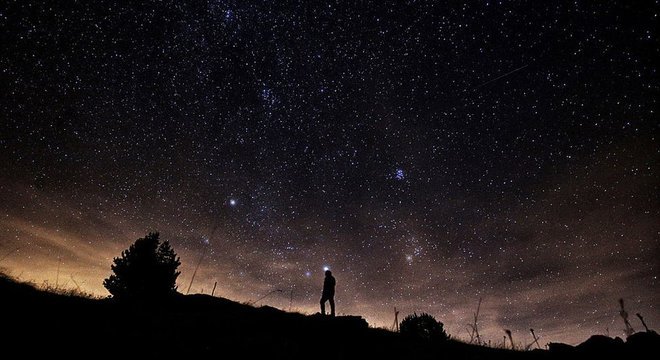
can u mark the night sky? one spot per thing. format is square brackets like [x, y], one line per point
[429, 154]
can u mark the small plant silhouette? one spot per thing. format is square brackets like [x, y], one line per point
[144, 271]
[423, 326]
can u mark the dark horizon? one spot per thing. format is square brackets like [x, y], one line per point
[429, 155]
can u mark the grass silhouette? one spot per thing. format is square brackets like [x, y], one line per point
[51, 322]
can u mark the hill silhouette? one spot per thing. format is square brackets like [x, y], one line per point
[41, 323]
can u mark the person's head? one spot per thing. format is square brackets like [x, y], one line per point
[328, 273]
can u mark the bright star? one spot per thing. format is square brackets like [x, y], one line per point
[326, 268]
[233, 202]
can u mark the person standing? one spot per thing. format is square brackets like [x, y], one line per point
[328, 293]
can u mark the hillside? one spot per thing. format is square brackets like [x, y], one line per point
[39, 323]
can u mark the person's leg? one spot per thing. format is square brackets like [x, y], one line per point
[332, 306]
[322, 305]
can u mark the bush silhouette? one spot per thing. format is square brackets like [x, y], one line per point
[423, 326]
[145, 271]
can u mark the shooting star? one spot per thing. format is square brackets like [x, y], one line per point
[501, 76]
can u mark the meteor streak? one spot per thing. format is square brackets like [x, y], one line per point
[501, 76]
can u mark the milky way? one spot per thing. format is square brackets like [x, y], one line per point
[430, 155]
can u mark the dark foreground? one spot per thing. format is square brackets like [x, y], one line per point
[37, 323]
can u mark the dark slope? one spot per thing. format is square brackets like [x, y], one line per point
[37, 323]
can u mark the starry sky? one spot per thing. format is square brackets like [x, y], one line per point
[430, 154]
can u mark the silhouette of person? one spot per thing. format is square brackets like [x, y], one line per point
[328, 293]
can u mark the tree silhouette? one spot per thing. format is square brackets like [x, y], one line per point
[145, 271]
[423, 326]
